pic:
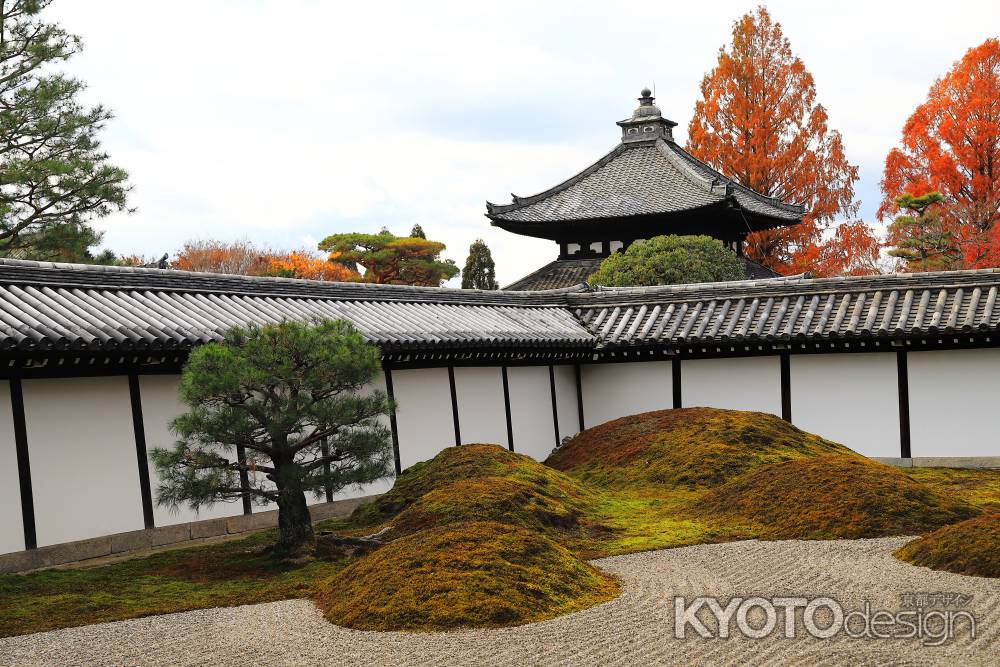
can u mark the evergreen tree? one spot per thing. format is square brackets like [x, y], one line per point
[391, 260]
[55, 176]
[417, 232]
[480, 270]
[923, 241]
[669, 260]
[281, 406]
[69, 242]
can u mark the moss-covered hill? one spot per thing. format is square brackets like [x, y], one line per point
[478, 537]
[483, 537]
[971, 547]
[831, 497]
[693, 448]
[479, 574]
[463, 464]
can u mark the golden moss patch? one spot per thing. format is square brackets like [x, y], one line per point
[454, 464]
[555, 510]
[833, 497]
[977, 487]
[970, 547]
[687, 448]
[481, 574]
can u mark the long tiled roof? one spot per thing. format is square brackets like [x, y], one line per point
[72, 307]
[570, 272]
[793, 309]
[52, 306]
[636, 179]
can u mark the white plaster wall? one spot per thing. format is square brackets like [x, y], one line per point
[531, 411]
[848, 398]
[160, 404]
[954, 398]
[11, 527]
[617, 390]
[84, 473]
[380, 486]
[423, 413]
[738, 383]
[481, 414]
[569, 419]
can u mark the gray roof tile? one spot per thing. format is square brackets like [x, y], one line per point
[70, 307]
[635, 179]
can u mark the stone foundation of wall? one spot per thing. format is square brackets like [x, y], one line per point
[944, 462]
[137, 540]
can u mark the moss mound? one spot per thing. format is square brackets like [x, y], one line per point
[540, 505]
[970, 547]
[691, 448]
[464, 464]
[977, 486]
[833, 497]
[481, 574]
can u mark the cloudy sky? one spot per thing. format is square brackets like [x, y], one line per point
[285, 121]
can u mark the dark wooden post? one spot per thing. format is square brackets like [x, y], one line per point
[506, 408]
[241, 456]
[392, 417]
[579, 394]
[555, 408]
[23, 464]
[139, 429]
[325, 450]
[903, 384]
[675, 375]
[786, 386]
[454, 405]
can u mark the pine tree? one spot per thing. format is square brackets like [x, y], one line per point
[417, 232]
[391, 260]
[480, 270]
[923, 240]
[56, 178]
[284, 407]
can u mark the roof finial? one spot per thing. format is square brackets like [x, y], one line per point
[646, 98]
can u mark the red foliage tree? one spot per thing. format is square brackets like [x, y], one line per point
[244, 258]
[951, 144]
[758, 122]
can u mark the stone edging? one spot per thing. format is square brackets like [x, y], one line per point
[136, 540]
[943, 462]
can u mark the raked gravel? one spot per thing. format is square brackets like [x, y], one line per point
[637, 628]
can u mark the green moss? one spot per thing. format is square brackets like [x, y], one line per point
[233, 573]
[454, 464]
[545, 508]
[977, 487]
[480, 574]
[833, 497]
[489, 538]
[690, 448]
[635, 522]
[971, 547]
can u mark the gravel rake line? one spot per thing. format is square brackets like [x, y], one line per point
[636, 628]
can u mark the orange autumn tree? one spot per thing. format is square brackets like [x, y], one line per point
[951, 145]
[758, 122]
[242, 257]
[304, 264]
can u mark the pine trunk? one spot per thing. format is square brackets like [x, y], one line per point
[294, 523]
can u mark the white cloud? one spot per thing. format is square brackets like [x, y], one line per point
[286, 121]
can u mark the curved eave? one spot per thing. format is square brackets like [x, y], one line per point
[737, 218]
